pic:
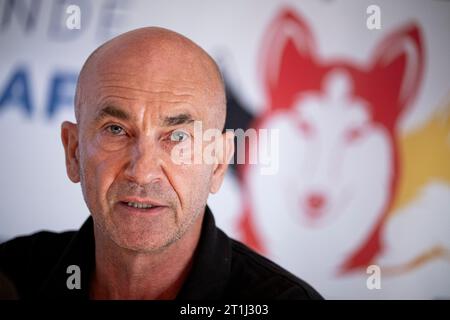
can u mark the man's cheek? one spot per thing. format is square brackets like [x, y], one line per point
[199, 177]
[106, 172]
[97, 176]
[190, 172]
[183, 178]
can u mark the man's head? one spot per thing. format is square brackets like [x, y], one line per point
[137, 98]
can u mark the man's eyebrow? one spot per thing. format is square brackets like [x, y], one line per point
[178, 119]
[112, 111]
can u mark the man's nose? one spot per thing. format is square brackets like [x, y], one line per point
[145, 163]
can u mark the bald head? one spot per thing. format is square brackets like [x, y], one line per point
[153, 59]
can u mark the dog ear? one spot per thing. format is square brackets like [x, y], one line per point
[396, 73]
[287, 62]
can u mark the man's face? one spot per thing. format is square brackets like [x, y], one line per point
[137, 194]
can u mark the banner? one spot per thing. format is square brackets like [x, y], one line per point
[356, 197]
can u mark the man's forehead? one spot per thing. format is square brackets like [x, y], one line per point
[148, 95]
[157, 87]
[167, 69]
[163, 63]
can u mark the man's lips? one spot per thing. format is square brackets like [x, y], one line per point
[139, 203]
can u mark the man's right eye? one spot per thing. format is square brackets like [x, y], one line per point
[115, 130]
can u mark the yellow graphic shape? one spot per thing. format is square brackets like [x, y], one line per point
[436, 252]
[424, 157]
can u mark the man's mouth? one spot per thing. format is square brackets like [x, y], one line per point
[144, 205]
[139, 205]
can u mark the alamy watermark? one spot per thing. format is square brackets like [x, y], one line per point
[254, 146]
[74, 279]
[73, 21]
[374, 280]
[373, 21]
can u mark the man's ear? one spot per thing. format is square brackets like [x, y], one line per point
[69, 137]
[224, 155]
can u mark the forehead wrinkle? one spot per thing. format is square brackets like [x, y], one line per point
[159, 102]
[112, 111]
[119, 77]
[150, 92]
[112, 101]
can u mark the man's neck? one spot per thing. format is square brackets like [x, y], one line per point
[125, 274]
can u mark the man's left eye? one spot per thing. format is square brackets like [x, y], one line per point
[178, 136]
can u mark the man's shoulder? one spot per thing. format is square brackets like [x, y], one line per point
[257, 277]
[27, 260]
[36, 244]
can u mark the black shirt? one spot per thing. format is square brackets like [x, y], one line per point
[222, 268]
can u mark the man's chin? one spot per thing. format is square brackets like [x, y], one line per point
[143, 245]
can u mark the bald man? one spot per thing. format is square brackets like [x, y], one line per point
[151, 234]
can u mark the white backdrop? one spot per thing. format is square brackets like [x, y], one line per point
[40, 59]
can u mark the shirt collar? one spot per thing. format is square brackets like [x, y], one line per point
[211, 266]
